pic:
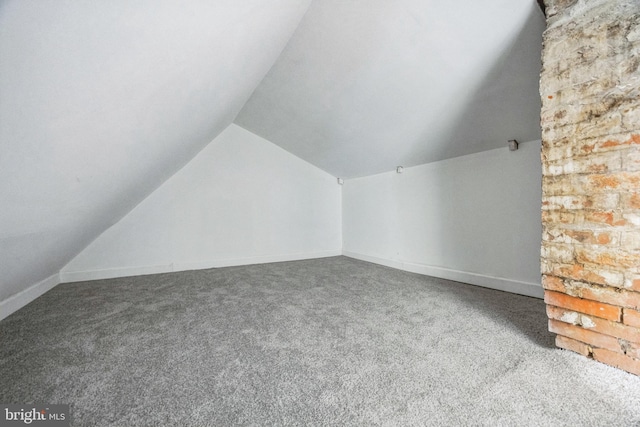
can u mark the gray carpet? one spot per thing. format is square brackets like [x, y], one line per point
[332, 341]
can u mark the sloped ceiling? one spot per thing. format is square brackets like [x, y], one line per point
[365, 85]
[102, 101]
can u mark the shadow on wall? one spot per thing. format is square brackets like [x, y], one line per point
[486, 213]
[490, 111]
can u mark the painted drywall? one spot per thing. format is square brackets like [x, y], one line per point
[365, 85]
[102, 101]
[474, 219]
[241, 200]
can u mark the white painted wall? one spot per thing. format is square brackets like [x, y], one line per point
[241, 200]
[474, 219]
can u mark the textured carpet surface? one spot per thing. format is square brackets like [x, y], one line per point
[332, 341]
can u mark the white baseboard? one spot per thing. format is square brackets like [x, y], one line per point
[22, 298]
[499, 283]
[264, 259]
[111, 273]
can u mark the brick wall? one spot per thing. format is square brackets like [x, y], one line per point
[590, 89]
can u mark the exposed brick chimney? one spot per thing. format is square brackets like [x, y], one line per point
[590, 89]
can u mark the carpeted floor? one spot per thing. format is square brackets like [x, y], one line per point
[331, 341]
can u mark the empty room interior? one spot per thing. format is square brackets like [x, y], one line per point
[320, 212]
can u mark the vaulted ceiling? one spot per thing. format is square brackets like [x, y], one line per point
[101, 102]
[366, 85]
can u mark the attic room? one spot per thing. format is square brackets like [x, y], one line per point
[320, 212]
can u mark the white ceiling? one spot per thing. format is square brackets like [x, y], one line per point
[365, 85]
[102, 101]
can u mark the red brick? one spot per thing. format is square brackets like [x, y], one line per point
[610, 258]
[600, 163]
[617, 297]
[605, 181]
[562, 217]
[564, 202]
[604, 217]
[577, 333]
[632, 201]
[600, 276]
[633, 140]
[603, 201]
[576, 272]
[552, 283]
[604, 294]
[603, 238]
[593, 323]
[594, 308]
[631, 317]
[573, 345]
[556, 186]
[569, 236]
[561, 253]
[617, 360]
[579, 236]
